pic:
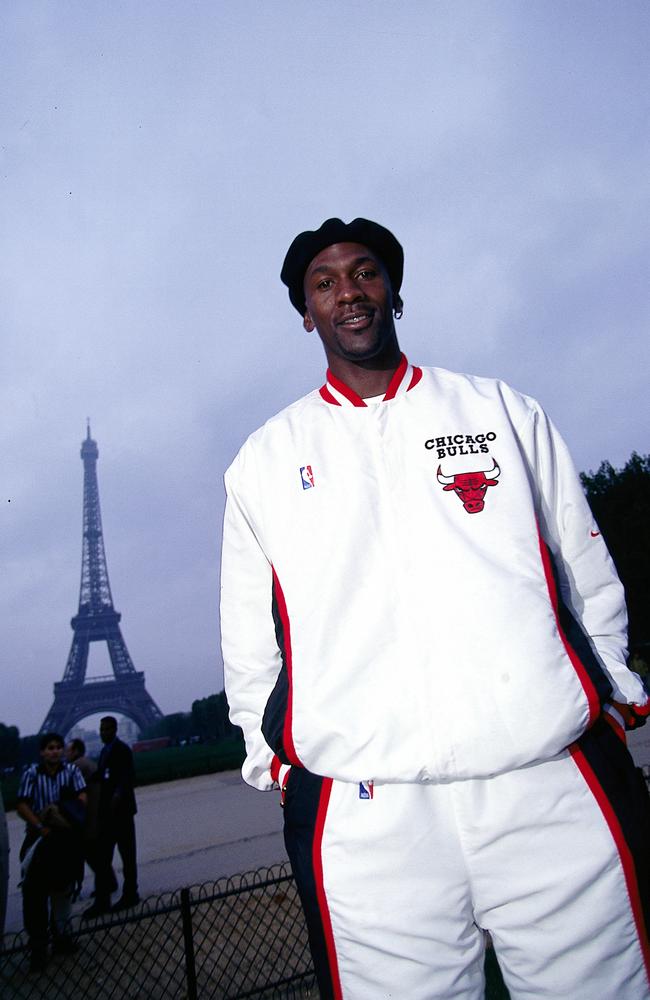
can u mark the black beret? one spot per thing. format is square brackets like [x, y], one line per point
[310, 243]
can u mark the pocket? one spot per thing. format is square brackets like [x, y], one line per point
[283, 781]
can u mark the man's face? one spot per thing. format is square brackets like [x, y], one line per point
[52, 753]
[349, 302]
[70, 753]
[107, 731]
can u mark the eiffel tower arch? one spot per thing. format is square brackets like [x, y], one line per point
[123, 691]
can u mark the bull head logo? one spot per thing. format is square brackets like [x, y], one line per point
[471, 487]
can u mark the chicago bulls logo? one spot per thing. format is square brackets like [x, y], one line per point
[471, 487]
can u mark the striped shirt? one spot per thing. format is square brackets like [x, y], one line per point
[41, 789]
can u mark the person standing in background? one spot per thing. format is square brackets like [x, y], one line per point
[116, 810]
[75, 753]
[51, 800]
[4, 866]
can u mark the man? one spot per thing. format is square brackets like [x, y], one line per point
[424, 645]
[51, 800]
[115, 822]
[75, 753]
[4, 866]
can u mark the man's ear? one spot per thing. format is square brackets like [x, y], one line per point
[308, 322]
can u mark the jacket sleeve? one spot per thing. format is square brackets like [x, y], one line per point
[588, 582]
[251, 656]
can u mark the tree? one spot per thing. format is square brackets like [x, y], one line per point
[620, 501]
[178, 726]
[9, 746]
[210, 717]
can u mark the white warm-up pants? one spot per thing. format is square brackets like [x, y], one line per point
[399, 882]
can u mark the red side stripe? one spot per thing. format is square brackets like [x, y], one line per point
[345, 390]
[584, 678]
[328, 397]
[396, 380]
[621, 845]
[287, 737]
[613, 723]
[415, 378]
[276, 763]
[317, 863]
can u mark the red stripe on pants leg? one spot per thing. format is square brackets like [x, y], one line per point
[625, 855]
[317, 860]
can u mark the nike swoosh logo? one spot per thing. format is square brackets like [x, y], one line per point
[595, 534]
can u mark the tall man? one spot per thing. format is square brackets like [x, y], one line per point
[115, 821]
[424, 644]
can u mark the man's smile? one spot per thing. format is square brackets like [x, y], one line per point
[358, 319]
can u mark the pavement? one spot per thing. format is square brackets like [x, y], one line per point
[638, 744]
[188, 832]
[202, 829]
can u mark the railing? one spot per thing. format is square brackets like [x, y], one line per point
[234, 939]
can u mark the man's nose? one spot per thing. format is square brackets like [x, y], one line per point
[349, 290]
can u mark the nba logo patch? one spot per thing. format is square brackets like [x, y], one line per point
[307, 477]
[366, 789]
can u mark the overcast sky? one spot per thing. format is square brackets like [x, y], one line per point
[157, 160]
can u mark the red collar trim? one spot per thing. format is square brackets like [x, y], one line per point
[337, 393]
[327, 396]
[335, 383]
[396, 380]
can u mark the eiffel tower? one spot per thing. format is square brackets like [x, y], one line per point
[123, 691]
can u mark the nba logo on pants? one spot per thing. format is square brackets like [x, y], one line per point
[307, 477]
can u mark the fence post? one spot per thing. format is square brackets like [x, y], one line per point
[190, 966]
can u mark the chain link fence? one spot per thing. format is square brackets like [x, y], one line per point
[238, 938]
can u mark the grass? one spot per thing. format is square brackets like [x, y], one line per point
[154, 766]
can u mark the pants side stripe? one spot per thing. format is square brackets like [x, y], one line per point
[625, 854]
[317, 861]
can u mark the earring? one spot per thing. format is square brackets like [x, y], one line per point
[399, 313]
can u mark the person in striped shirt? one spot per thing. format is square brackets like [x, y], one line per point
[49, 852]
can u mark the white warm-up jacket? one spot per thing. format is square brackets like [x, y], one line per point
[414, 589]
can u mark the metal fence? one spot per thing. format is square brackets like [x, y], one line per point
[242, 937]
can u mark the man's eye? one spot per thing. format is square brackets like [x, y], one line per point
[367, 273]
[324, 284]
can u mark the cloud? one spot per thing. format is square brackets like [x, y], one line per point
[157, 163]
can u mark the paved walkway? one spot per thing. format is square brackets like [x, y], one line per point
[190, 831]
[201, 829]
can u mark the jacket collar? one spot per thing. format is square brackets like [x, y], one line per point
[337, 393]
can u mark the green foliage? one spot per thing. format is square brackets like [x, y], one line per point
[153, 766]
[620, 501]
[17, 750]
[210, 717]
[9, 746]
[178, 726]
[29, 749]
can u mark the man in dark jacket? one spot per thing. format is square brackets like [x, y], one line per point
[115, 824]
